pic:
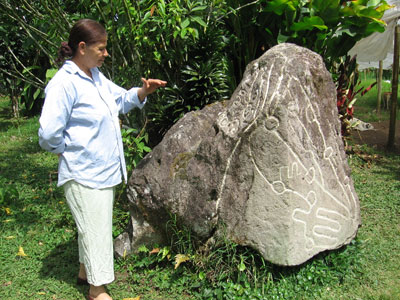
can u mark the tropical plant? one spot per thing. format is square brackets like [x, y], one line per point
[30, 32]
[181, 42]
[200, 47]
[330, 28]
[347, 88]
[135, 146]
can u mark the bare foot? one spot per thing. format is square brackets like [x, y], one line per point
[98, 293]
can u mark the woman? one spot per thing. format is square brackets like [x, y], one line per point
[79, 122]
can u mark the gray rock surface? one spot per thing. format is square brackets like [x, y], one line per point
[268, 166]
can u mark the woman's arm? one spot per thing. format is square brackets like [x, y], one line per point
[53, 120]
[136, 96]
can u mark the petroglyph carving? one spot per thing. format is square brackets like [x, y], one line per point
[269, 164]
[301, 168]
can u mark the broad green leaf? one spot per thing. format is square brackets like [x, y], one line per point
[359, 2]
[382, 8]
[197, 8]
[369, 13]
[282, 38]
[50, 73]
[185, 23]
[194, 32]
[309, 23]
[146, 16]
[374, 27]
[373, 2]
[280, 6]
[143, 248]
[157, 55]
[183, 32]
[328, 10]
[199, 21]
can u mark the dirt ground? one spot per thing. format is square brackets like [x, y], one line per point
[378, 137]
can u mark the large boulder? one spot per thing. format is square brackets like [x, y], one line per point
[268, 166]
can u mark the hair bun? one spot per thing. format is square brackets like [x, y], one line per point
[65, 50]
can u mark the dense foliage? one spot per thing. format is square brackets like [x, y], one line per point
[200, 47]
[328, 27]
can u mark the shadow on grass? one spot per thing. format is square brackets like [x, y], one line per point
[27, 167]
[39, 200]
[41, 207]
[5, 115]
[4, 125]
[389, 167]
[62, 264]
[387, 163]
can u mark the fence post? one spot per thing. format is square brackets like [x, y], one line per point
[378, 105]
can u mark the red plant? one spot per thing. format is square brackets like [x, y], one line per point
[347, 87]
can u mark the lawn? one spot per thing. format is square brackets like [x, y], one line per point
[366, 105]
[35, 219]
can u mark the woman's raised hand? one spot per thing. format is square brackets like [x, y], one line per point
[149, 86]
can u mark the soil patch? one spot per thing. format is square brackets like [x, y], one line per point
[377, 137]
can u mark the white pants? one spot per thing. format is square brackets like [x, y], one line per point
[92, 211]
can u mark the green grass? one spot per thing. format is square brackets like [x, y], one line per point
[40, 222]
[377, 182]
[366, 105]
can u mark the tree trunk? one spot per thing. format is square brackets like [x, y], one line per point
[14, 100]
[395, 83]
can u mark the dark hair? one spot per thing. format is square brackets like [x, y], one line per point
[85, 30]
